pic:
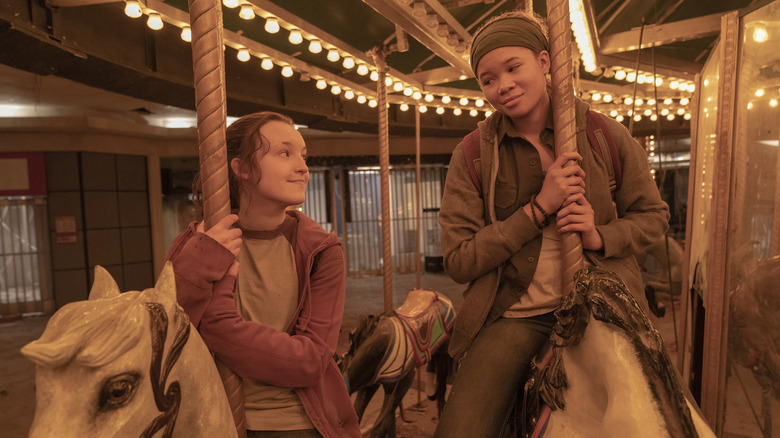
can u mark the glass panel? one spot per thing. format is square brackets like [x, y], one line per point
[753, 354]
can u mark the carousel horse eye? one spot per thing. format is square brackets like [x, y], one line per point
[118, 390]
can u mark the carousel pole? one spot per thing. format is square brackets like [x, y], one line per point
[379, 53]
[563, 120]
[209, 79]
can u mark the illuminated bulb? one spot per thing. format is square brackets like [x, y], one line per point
[668, 101]
[247, 12]
[349, 94]
[133, 9]
[479, 102]
[759, 92]
[362, 70]
[750, 105]
[473, 113]
[408, 91]
[422, 108]
[230, 3]
[440, 110]
[628, 100]
[333, 55]
[637, 118]
[651, 101]
[186, 34]
[773, 103]
[374, 76]
[674, 85]
[639, 101]
[608, 98]
[403, 107]
[613, 113]
[271, 25]
[457, 111]
[488, 113]
[349, 62]
[687, 116]
[416, 95]
[664, 111]
[691, 87]
[428, 98]
[445, 99]
[670, 117]
[287, 71]
[372, 103]
[315, 46]
[760, 35]
[362, 99]
[398, 86]
[243, 54]
[154, 21]
[684, 101]
[631, 77]
[640, 78]
[648, 112]
[266, 64]
[658, 81]
[619, 118]
[335, 89]
[620, 75]
[654, 117]
[463, 101]
[681, 111]
[295, 36]
[321, 84]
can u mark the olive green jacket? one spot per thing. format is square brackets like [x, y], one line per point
[476, 246]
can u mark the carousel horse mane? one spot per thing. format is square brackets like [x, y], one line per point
[602, 295]
[96, 350]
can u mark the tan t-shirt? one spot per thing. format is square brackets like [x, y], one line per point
[267, 292]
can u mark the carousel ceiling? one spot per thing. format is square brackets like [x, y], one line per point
[314, 60]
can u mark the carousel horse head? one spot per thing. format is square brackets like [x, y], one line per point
[610, 374]
[126, 364]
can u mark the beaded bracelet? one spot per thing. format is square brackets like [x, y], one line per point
[535, 203]
[538, 224]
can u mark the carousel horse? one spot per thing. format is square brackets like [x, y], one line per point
[126, 364]
[608, 373]
[386, 350]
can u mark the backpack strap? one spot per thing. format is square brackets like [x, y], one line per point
[603, 144]
[471, 154]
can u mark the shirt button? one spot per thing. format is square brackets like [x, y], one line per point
[533, 163]
[531, 259]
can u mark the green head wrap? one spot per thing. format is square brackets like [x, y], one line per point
[505, 32]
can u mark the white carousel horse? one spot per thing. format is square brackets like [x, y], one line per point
[126, 364]
[610, 375]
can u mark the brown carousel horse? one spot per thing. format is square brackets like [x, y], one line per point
[126, 365]
[385, 350]
[608, 374]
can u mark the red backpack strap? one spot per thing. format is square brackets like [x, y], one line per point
[471, 153]
[601, 138]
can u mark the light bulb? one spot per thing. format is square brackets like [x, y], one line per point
[398, 86]
[488, 113]
[684, 101]
[349, 62]
[287, 71]
[457, 111]
[230, 3]
[154, 21]
[463, 101]
[440, 110]
[362, 98]
[654, 117]
[333, 55]
[133, 9]
[445, 99]
[668, 101]
[403, 107]
[760, 92]
[428, 97]
[691, 87]
[432, 20]
[335, 89]
[620, 75]
[628, 101]
[687, 116]
[670, 117]
[760, 35]
[648, 112]
[266, 64]
[473, 113]
[321, 84]
[243, 54]
[315, 46]
[619, 118]
[416, 95]
[374, 76]
[596, 97]
[631, 77]
[408, 91]
[613, 113]
[186, 34]
[674, 85]
[418, 9]
[637, 118]
[349, 94]
[271, 25]
[479, 102]
[607, 98]
[362, 70]
[422, 108]
[247, 12]
[372, 103]
[639, 101]
[295, 36]
[651, 101]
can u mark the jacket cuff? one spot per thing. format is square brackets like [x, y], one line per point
[203, 260]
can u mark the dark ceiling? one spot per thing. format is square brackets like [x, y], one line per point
[95, 43]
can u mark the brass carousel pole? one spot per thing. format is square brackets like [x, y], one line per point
[561, 71]
[209, 79]
[379, 53]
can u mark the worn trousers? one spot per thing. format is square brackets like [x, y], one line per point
[489, 376]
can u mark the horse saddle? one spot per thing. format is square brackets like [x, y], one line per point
[427, 318]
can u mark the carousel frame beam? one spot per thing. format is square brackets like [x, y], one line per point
[402, 15]
[664, 66]
[661, 34]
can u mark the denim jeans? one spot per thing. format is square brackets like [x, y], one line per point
[489, 376]
[306, 433]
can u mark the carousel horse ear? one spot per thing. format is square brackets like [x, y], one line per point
[165, 289]
[104, 285]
